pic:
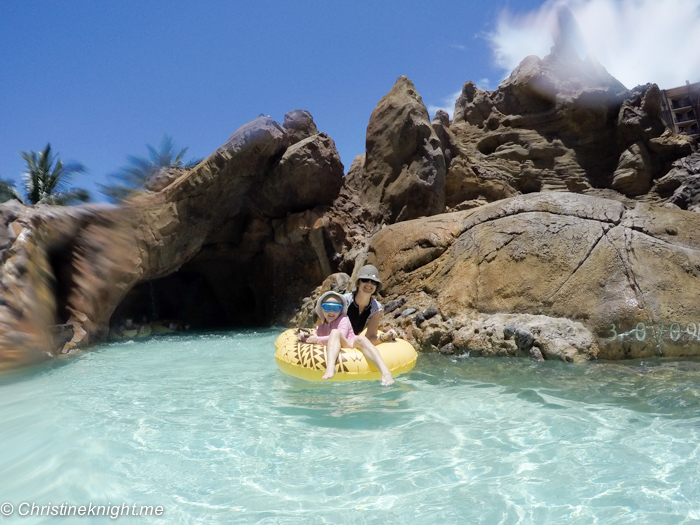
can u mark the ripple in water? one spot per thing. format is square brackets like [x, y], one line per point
[207, 427]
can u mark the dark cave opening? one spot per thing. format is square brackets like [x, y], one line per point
[60, 260]
[203, 295]
[254, 279]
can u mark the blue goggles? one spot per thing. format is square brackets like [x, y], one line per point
[331, 307]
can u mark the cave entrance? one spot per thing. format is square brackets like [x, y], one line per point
[202, 295]
[60, 260]
[231, 285]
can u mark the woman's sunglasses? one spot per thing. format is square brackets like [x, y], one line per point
[365, 280]
[331, 307]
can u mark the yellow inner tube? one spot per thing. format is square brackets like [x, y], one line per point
[308, 361]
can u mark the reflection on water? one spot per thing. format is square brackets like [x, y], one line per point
[207, 427]
[365, 408]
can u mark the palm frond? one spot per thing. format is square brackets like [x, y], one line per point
[116, 193]
[193, 162]
[8, 192]
[136, 174]
[43, 178]
[66, 198]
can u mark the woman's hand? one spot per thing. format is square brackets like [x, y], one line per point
[389, 336]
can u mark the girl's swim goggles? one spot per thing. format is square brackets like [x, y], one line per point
[331, 307]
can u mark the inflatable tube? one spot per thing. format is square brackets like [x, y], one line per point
[308, 361]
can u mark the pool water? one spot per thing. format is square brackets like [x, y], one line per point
[207, 427]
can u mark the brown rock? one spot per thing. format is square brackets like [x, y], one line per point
[403, 176]
[220, 245]
[309, 174]
[299, 125]
[246, 235]
[164, 177]
[639, 118]
[467, 180]
[473, 106]
[633, 174]
[680, 186]
[448, 141]
[559, 124]
[562, 256]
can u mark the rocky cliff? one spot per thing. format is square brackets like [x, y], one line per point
[586, 277]
[552, 217]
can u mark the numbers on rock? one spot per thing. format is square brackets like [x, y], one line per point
[675, 332]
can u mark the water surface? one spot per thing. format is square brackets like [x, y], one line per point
[207, 427]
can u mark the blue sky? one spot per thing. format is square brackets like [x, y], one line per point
[101, 79]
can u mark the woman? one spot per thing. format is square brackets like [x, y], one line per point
[365, 311]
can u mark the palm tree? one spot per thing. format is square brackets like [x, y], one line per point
[8, 191]
[44, 181]
[135, 176]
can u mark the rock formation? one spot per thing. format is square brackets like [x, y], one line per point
[589, 267]
[402, 175]
[681, 185]
[226, 243]
[561, 124]
[570, 233]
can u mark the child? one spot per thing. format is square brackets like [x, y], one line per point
[335, 330]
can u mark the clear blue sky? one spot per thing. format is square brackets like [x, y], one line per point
[101, 79]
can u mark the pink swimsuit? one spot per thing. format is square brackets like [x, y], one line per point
[342, 323]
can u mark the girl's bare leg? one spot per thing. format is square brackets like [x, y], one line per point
[373, 356]
[332, 351]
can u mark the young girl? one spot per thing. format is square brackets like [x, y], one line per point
[334, 332]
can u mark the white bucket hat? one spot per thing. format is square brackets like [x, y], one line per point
[322, 299]
[369, 272]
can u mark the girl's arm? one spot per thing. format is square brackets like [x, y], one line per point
[345, 327]
[310, 337]
[319, 339]
[314, 338]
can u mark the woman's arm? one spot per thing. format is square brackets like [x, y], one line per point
[372, 327]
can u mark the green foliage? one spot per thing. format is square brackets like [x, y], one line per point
[8, 191]
[45, 181]
[135, 176]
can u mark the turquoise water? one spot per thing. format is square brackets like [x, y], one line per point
[208, 428]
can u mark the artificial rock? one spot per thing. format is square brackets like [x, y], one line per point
[570, 231]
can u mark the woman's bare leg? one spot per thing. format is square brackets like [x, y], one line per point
[373, 356]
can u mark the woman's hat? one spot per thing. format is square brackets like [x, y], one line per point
[369, 272]
[324, 297]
